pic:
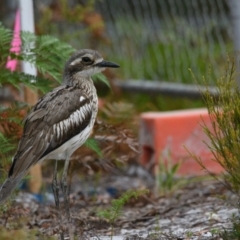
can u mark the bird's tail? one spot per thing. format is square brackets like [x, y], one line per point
[8, 186]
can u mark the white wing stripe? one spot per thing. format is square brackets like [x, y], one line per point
[74, 119]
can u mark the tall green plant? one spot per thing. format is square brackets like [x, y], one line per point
[224, 134]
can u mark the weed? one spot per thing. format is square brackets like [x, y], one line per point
[215, 231]
[166, 174]
[155, 233]
[189, 233]
[115, 210]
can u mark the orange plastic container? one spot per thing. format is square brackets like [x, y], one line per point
[164, 136]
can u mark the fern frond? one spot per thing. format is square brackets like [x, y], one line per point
[5, 36]
[18, 78]
[28, 41]
[47, 53]
[5, 145]
[5, 41]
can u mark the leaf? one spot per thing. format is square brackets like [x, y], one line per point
[5, 41]
[18, 78]
[5, 145]
[102, 78]
[92, 144]
[115, 210]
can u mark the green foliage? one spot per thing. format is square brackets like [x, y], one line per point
[93, 144]
[6, 149]
[102, 78]
[166, 176]
[78, 31]
[16, 78]
[49, 54]
[11, 127]
[168, 56]
[224, 134]
[233, 234]
[115, 210]
[5, 145]
[5, 41]
[46, 53]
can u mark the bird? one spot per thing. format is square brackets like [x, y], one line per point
[59, 123]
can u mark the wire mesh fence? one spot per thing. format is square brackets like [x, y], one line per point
[154, 39]
[162, 39]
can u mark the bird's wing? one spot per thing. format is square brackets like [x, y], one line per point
[57, 117]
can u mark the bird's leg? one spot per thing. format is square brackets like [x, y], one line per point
[55, 188]
[64, 187]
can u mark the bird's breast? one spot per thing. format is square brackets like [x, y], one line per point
[72, 132]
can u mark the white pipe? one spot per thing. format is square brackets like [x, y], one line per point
[27, 24]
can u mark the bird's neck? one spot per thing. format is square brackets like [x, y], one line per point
[77, 80]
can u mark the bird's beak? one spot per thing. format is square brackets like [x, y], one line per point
[105, 64]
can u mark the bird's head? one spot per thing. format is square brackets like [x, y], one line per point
[85, 63]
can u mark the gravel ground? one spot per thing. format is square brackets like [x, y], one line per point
[200, 210]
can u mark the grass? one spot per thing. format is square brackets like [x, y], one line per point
[163, 54]
[168, 54]
[156, 102]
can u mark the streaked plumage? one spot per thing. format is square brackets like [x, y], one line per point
[61, 121]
